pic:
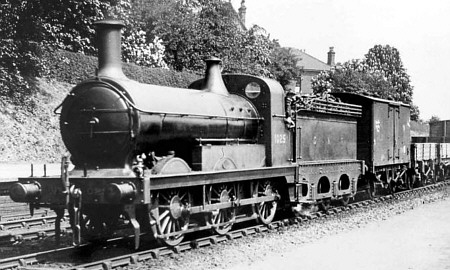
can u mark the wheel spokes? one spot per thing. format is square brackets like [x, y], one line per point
[172, 220]
[265, 210]
[217, 218]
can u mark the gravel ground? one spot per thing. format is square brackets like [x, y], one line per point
[244, 252]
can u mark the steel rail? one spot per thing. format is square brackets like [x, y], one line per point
[27, 223]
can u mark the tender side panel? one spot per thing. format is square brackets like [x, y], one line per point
[326, 137]
[327, 179]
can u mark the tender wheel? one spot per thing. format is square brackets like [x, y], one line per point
[172, 218]
[265, 210]
[325, 204]
[221, 220]
[344, 200]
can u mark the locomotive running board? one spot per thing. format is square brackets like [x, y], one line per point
[158, 182]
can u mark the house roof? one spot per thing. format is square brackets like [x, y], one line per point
[308, 62]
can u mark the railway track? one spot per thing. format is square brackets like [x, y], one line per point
[20, 227]
[23, 220]
[41, 233]
[4, 186]
[131, 258]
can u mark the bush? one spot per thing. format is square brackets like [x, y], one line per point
[74, 67]
[19, 61]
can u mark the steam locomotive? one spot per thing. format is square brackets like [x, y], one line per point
[167, 161]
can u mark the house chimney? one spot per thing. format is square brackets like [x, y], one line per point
[213, 81]
[331, 55]
[242, 12]
[109, 48]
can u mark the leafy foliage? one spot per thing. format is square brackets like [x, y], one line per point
[68, 25]
[18, 61]
[352, 76]
[284, 65]
[434, 119]
[31, 26]
[386, 59]
[380, 74]
[136, 49]
[252, 55]
[72, 68]
[195, 30]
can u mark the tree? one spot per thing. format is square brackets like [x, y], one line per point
[381, 74]
[284, 65]
[415, 113]
[68, 25]
[29, 27]
[386, 59]
[434, 119]
[195, 30]
[352, 76]
[252, 53]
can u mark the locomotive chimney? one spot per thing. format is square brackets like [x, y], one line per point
[213, 78]
[109, 48]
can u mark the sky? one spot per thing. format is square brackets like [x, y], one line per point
[419, 30]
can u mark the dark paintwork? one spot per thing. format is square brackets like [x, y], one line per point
[440, 131]
[326, 136]
[104, 122]
[271, 108]
[93, 187]
[383, 130]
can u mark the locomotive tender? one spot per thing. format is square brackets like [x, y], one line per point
[168, 161]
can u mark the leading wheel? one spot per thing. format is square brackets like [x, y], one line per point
[99, 223]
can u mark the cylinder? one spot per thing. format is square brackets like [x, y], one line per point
[119, 193]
